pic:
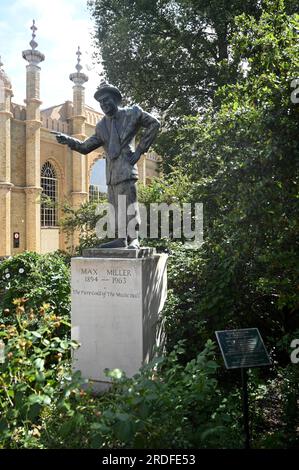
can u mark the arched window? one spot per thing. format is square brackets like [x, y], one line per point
[97, 183]
[49, 185]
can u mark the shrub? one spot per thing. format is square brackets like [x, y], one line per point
[37, 278]
[35, 374]
[166, 405]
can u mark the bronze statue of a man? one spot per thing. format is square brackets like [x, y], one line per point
[116, 132]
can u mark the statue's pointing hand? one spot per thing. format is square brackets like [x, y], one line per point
[61, 138]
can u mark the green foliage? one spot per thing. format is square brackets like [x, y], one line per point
[38, 279]
[274, 408]
[166, 405]
[180, 313]
[243, 161]
[173, 402]
[36, 372]
[80, 224]
[167, 55]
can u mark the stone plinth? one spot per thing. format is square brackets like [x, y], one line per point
[115, 309]
[118, 253]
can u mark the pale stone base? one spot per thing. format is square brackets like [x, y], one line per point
[115, 308]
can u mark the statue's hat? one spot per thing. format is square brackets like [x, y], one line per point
[107, 88]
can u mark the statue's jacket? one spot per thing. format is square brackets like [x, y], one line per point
[128, 122]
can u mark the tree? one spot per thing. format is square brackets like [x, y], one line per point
[243, 159]
[168, 55]
[241, 155]
[81, 222]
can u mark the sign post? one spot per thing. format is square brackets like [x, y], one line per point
[244, 377]
[242, 349]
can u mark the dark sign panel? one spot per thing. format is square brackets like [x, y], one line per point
[242, 348]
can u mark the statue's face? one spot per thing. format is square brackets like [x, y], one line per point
[108, 104]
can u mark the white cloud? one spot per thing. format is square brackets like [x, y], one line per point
[63, 25]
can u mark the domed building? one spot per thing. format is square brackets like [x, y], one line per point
[33, 163]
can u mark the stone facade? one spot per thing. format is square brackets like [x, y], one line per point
[26, 144]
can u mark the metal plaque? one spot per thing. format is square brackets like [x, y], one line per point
[242, 348]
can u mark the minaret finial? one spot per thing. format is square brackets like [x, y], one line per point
[3, 77]
[33, 43]
[33, 56]
[79, 78]
[78, 66]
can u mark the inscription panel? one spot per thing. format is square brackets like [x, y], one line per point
[242, 348]
[105, 281]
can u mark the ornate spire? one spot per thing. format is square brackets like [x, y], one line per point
[33, 43]
[3, 77]
[78, 66]
[78, 77]
[33, 56]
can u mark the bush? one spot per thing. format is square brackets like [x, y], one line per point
[166, 405]
[38, 279]
[274, 408]
[36, 372]
[80, 224]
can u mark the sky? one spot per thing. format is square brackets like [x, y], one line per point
[63, 25]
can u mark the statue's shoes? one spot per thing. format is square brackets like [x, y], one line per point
[134, 244]
[118, 243]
